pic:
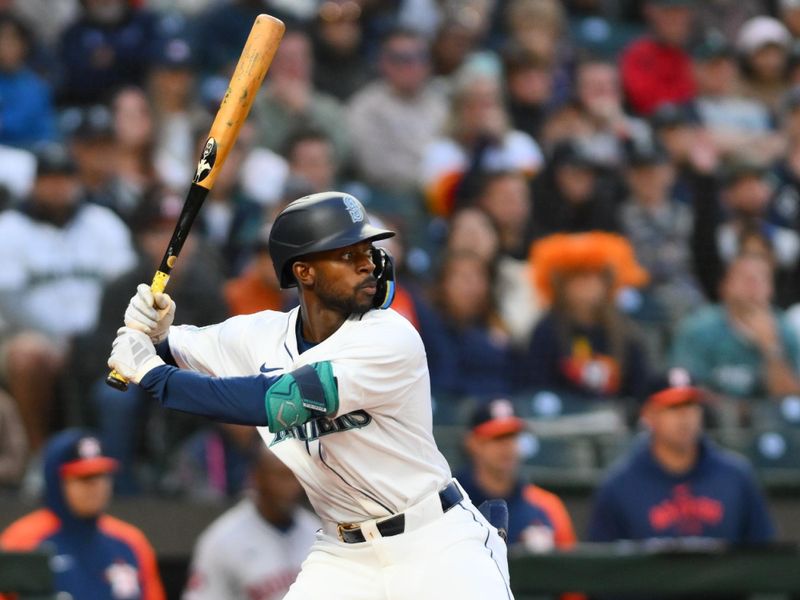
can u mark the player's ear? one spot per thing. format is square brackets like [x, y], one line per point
[303, 273]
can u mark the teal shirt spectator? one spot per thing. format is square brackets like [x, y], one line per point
[721, 358]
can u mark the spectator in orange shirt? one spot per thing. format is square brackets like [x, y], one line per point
[94, 555]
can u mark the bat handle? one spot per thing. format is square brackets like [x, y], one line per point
[117, 381]
[159, 284]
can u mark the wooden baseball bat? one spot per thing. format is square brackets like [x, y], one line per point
[256, 57]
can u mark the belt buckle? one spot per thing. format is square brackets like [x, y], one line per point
[342, 527]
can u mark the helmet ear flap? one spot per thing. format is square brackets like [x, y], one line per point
[384, 274]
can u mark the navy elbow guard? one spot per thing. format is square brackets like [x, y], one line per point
[301, 395]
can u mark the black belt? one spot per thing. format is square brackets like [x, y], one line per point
[352, 534]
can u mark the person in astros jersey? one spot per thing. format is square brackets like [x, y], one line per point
[339, 390]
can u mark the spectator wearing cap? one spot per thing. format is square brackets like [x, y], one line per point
[110, 45]
[538, 519]
[741, 347]
[763, 44]
[567, 197]
[89, 133]
[733, 120]
[58, 253]
[675, 483]
[584, 346]
[656, 68]
[396, 116]
[742, 215]
[289, 100]
[95, 555]
[691, 150]
[196, 283]
[660, 230]
[26, 111]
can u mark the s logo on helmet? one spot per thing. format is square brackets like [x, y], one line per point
[352, 206]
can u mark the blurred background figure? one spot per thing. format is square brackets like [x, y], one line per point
[584, 346]
[479, 140]
[97, 555]
[538, 519]
[675, 483]
[255, 549]
[660, 229]
[124, 418]
[109, 45]
[657, 67]
[763, 44]
[393, 119]
[52, 282]
[468, 345]
[337, 34]
[26, 116]
[741, 347]
[290, 101]
[567, 197]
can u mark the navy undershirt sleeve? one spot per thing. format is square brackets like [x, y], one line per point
[165, 352]
[237, 400]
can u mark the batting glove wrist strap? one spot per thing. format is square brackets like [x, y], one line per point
[297, 397]
[133, 354]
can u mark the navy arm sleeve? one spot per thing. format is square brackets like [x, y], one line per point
[165, 352]
[237, 400]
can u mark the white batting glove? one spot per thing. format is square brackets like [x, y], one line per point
[150, 313]
[133, 354]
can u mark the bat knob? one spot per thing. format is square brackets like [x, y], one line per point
[117, 381]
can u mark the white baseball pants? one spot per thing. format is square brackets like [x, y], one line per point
[456, 555]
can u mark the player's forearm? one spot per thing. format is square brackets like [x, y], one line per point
[238, 400]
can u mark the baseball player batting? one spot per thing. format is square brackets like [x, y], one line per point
[339, 390]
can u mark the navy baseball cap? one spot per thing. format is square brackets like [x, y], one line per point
[713, 46]
[672, 388]
[645, 152]
[669, 115]
[53, 158]
[85, 458]
[496, 418]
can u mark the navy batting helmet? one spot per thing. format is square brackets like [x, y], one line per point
[315, 223]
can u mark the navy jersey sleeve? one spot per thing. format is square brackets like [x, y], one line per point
[237, 400]
[605, 523]
[758, 525]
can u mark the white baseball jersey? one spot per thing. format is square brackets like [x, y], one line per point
[377, 455]
[57, 274]
[242, 557]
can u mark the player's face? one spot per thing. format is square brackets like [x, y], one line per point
[343, 278]
[677, 427]
[87, 497]
[499, 455]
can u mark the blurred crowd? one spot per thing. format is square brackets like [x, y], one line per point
[587, 193]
